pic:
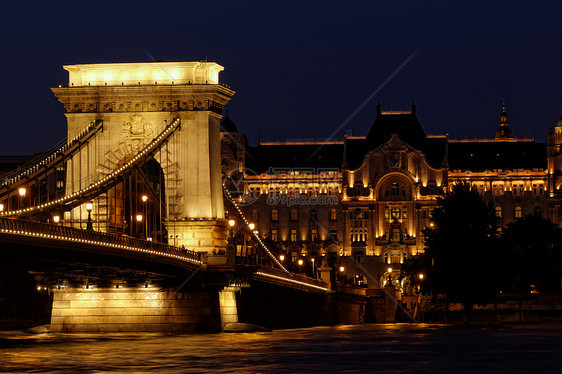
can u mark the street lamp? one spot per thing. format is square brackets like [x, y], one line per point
[139, 217]
[389, 276]
[144, 199]
[342, 269]
[282, 257]
[89, 207]
[56, 219]
[300, 262]
[22, 191]
[252, 226]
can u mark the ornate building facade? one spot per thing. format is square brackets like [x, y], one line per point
[367, 198]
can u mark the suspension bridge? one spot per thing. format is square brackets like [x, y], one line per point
[124, 221]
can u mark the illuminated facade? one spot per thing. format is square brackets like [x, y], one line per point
[370, 196]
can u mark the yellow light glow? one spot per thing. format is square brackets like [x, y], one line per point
[231, 223]
[342, 269]
[252, 226]
[139, 217]
[144, 73]
[22, 191]
[144, 198]
[300, 262]
[1, 207]
[389, 270]
[282, 257]
[56, 219]
[420, 276]
[89, 206]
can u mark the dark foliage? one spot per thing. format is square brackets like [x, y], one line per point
[533, 255]
[463, 254]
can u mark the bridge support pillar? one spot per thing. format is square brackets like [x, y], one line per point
[228, 307]
[200, 235]
[132, 309]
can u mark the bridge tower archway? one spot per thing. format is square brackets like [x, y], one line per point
[136, 102]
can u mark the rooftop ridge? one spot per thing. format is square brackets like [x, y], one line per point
[325, 141]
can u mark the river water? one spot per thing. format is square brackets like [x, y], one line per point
[393, 348]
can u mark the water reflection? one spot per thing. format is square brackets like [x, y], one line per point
[353, 349]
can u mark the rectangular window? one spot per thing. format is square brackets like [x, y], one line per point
[333, 215]
[293, 235]
[333, 234]
[274, 235]
[314, 234]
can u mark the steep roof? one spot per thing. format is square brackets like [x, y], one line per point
[480, 155]
[294, 155]
[227, 125]
[403, 123]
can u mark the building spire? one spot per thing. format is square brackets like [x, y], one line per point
[503, 116]
[504, 132]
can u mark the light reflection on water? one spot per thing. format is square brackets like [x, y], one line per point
[350, 349]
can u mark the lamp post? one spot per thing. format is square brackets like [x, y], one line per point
[56, 219]
[144, 199]
[22, 192]
[89, 225]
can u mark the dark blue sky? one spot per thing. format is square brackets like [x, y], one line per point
[299, 68]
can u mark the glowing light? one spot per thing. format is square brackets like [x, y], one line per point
[231, 223]
[342, 269]
[282, 257]
[389, 270]
[22, 191]
[300, 262]
[1, 207]
[56, 219]
[252, 226]
[420, 276]
[89, 207]
[139, 217]
[144, 198]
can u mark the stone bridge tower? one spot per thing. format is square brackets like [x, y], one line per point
[136, 101]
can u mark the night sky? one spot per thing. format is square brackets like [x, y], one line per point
[299, 68]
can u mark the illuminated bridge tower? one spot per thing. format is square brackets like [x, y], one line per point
[135, 102]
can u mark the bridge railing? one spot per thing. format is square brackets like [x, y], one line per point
[46, 230]
[291, 277]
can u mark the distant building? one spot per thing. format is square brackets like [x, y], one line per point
[370, 196]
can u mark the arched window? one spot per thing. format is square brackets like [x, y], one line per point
[358, 214]
[274, 215]
[294, 215]
[499, 211]
[395, 213]
[518, 212]
[313, 215]
[365, 234]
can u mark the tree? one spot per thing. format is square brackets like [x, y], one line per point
[534, 250]
[462, 252]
